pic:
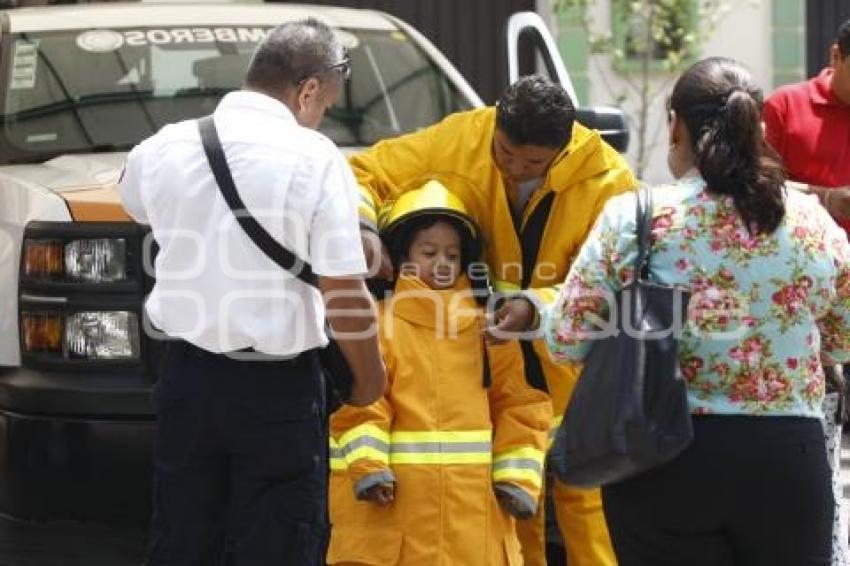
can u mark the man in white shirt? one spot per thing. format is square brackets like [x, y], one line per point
[240, 455]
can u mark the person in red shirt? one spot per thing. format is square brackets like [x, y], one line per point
[808, 124]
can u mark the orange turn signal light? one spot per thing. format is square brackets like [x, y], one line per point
[41, 332]
[43, 259]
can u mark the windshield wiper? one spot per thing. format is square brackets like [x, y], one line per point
[75, 103]
[203, 91]
[134, 95]
[119, 95]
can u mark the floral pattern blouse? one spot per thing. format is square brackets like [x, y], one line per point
[763, 311]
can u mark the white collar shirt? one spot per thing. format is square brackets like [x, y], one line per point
[214, 287]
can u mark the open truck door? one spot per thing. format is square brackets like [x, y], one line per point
[608, 121]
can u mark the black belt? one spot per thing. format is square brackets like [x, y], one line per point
[233, 355]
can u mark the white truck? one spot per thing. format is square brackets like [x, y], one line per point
[79, 86]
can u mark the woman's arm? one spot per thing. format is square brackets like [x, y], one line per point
[581, 312]
[835, 324]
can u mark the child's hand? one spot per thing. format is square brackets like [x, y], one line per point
[512, 505]
[381, 494]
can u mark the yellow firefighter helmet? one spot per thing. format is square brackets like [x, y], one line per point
[429, 200]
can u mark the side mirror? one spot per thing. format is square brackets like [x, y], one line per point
[609, 122]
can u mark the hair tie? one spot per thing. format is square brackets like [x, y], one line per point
[732, 93]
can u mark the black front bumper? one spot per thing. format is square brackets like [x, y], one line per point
[75, 447]
[27, 543]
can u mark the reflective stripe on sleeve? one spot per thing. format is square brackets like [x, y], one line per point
[336, 458]
[515, 474]
[556, 423]
[506, 286]
[365, 441]
[519, 464]
[366, 210]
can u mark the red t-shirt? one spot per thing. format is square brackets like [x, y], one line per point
[810, 129]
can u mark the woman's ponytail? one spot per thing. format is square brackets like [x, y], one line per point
[721, 108]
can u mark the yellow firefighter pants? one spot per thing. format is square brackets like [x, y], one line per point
[578, 511]
[582, 525]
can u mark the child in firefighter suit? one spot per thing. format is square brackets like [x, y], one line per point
[434, 472]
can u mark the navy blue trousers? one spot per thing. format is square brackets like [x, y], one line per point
[749, 491]
[240, 461]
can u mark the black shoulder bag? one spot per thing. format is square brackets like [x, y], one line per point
[338, 374]
[629, 411]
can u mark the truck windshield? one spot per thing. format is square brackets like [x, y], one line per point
[106, 90]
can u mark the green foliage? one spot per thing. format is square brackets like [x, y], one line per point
[667, 33]
[649, 43]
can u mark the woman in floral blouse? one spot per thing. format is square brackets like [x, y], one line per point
[770, 281]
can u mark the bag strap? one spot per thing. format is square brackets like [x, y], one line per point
[253, 229]
[643, 220]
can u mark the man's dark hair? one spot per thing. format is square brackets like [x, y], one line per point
[536, 111]
[843, 39]
[291, 53]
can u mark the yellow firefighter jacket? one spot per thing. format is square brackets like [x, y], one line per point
[442, 436]
[457, 152]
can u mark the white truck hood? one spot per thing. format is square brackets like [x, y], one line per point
[71, 172]
[87, 182]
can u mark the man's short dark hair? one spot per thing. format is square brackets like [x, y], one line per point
[843, 39]
[536, 111]
[291, 53]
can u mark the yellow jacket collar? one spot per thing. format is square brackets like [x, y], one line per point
[446, 310]
[581, 159]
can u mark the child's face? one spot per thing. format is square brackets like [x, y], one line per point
[434, 256]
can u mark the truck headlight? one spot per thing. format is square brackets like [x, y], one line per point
[102, 260]
[107, 335]
[88, 260]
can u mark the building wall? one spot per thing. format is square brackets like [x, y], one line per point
[765, 35]
[788, 29]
